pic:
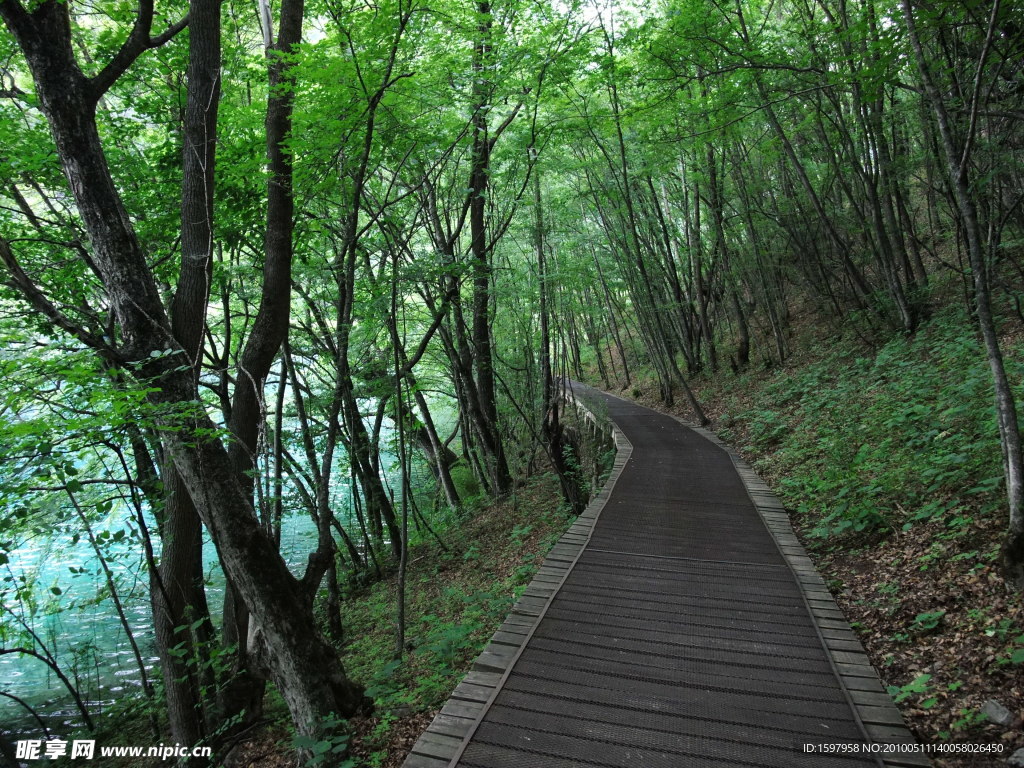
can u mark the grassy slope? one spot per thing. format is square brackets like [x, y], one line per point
[890, 463]
[456, 600]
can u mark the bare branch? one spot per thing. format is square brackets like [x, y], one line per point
[63, 488]
[42, 304]
[25, 705]
[138, 42]
[48, 661]
[976, 91]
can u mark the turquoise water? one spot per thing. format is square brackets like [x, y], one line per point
[81, 625]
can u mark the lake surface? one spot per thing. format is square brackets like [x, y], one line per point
[81, 624]
[71, 612]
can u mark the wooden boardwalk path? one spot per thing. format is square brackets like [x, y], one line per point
[677, 624]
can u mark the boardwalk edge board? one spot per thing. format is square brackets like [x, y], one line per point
[880, 717]
[442, 743]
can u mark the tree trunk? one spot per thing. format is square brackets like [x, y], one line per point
[957, 159]
[269, 331]
[441, 456]
[483, 356]
[182, 602]
[305, 669]
[551, 426]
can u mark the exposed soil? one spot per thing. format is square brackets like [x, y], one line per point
[925, 604]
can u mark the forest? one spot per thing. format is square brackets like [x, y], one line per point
[288, 291]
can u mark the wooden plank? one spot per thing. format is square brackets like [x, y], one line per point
[470, 692]
[448, 725]
[838, 633]
[895, 734]
[550, 570]
[544, 578]
[841, 626]
[880, 715]
[825, 607]
[871, 698]
[515, 629]
[541, 591]
[416, 760]
[870, 684]
[556, 559]
[437, 745]
[527, 601]
[857, 670]
[459, 708]
[512, 639]
[479, 677]
[519, 610]
[844, 645]
[495, 659]
[825, 613]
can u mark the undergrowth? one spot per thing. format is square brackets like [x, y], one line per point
[864, 443]
[456, 599]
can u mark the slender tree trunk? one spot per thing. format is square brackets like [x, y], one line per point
[183, 621]
[269, 330]
[703, 291]
[551, 429]
[483, 355]
[957, 159]
[442, 456]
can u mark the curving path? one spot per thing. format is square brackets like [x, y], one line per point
[678, 624]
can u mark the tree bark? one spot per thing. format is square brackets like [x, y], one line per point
[269, 330]
[305, 669]
[182, 602]
[957, 160]
[483, 355]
